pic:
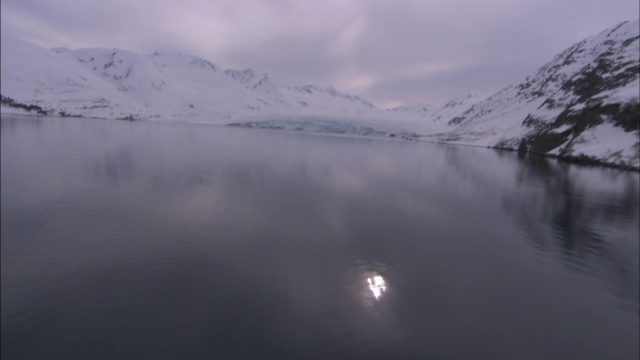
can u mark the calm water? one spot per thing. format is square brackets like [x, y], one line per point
[165, 241]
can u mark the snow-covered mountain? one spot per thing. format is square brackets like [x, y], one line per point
[582, 105]
[421, 110]
[457, 106]
[115, 83]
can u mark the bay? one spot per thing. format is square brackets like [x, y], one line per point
[165, 240]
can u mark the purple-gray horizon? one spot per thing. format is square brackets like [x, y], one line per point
[391, 53]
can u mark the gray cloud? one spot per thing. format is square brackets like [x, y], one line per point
[485, 78]
[401, 51]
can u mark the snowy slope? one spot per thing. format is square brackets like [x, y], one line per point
[583, 104]
[317, 99]
[43, 78]
[166, 85]
[457, 106]
[420, 110]
[115, 83]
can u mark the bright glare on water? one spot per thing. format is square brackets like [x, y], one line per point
[127, 240]
[377, 286]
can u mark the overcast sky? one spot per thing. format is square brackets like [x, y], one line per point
[390, 52]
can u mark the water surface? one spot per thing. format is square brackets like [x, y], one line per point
[148, 240]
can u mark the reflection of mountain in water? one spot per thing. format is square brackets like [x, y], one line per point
[594, 232]
[583, 218]
[116, 166]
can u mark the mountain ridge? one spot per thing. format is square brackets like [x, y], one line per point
[581, 105]
[560, 108]
[116, 83]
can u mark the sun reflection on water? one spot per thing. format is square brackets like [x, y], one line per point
[377, 286]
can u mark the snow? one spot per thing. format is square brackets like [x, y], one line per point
[562, 128]
[421, 110]
[114, 83]
[457, 106]
[608, 142]
[11, 110]
[519, 110]
[164, 86]
[578, 107]
[630, 93]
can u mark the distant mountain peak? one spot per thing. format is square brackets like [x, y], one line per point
[414, 108]
[583, 104]
[332, 92]
[244, 76]
[117, 83]
[309, 88]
